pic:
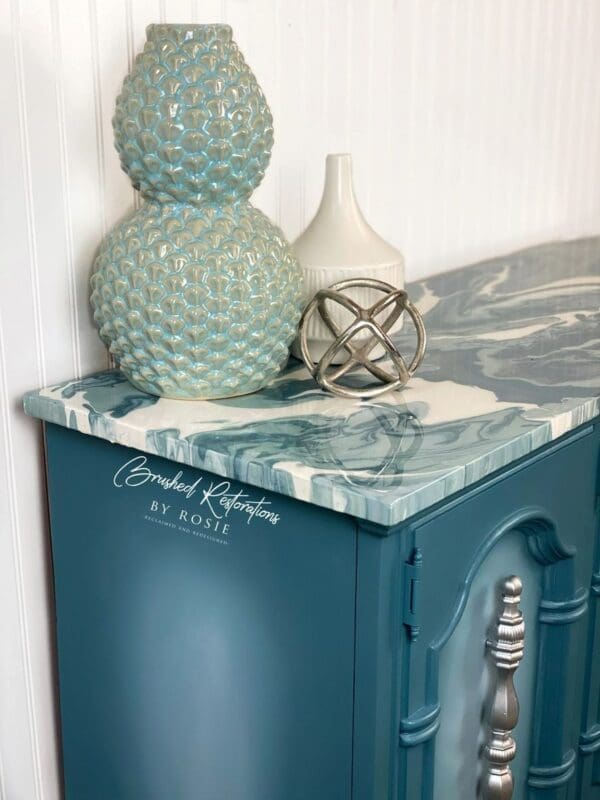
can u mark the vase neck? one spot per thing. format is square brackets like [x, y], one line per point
[189, 32]
[339, 200]
[339, 235]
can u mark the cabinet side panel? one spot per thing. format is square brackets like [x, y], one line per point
[205, 632]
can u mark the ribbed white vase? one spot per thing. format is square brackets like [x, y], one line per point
[340, 244]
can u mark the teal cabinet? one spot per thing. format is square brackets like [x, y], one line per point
[289, 595]
[278, 650]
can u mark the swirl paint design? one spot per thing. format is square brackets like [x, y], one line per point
[513, 363]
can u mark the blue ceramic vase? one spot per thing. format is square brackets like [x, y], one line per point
[197, 294]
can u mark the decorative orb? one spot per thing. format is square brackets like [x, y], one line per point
[371, 322]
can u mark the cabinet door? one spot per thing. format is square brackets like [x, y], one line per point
[431, 681]
[205, 632]
[588, 777]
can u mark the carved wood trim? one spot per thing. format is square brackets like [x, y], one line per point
[506, 650]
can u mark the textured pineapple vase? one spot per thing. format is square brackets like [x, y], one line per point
[197, 294]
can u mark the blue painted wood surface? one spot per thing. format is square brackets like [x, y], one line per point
[197, 662]
[300, 653]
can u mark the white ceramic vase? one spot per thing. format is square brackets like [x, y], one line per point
[339, 244]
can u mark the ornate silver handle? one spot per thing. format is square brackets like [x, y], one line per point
[507, 651]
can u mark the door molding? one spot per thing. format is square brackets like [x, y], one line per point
[561, 604]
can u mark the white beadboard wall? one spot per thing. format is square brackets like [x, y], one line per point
[475, 129]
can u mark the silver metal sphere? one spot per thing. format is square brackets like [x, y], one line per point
[365, 320]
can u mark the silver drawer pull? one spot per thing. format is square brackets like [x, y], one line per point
[507, 651]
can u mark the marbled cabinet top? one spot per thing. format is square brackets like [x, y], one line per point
[513, 362]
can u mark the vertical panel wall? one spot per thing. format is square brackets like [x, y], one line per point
[475, 129]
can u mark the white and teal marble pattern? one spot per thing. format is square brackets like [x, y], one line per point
[513, 362]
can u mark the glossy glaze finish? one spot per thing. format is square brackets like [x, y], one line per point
[513, 363]
[196, 294]
[191, 122]
[197, 302]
